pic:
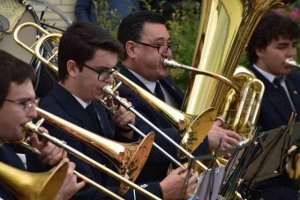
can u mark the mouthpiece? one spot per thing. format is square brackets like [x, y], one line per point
[292, 63]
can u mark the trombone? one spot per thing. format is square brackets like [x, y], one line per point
[191, 124]
[34, 128]
[193, 128]
[78, 174]
[43, 186]
[125, 104]
[129, 159]
[102, 102]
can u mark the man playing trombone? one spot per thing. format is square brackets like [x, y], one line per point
[87, 57]
[147, 41]
[17, 107]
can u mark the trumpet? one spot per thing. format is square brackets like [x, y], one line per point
[43, 186]
[29, 126]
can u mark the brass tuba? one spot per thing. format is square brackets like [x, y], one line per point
[225, 28]
[31, 186]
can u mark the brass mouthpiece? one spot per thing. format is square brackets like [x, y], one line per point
[292, 63]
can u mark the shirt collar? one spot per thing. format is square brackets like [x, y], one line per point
[149, 84]
[266, 74]
[81, 102]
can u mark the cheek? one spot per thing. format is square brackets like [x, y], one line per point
[10, 126]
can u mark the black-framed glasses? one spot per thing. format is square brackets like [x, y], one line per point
[163, 49]
[27, 104]
[103, 74]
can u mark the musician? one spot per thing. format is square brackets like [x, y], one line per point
[273, 41]
[147, 41]
[17, 106]
[86, 54]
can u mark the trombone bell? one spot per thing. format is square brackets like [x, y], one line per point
[32, 186]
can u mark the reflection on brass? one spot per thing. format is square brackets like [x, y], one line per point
[32, 186]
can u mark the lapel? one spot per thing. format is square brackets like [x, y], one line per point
[9, 156]
[104, 121]
[278, 102]
[173, 90]
[73, 108]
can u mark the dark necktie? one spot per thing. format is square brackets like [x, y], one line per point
[158, 92]
[95, 123]
[277, 83]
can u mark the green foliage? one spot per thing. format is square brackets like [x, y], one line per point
[183, 27]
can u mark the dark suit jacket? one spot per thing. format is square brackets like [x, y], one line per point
[157, 165]
[63, 104]
[9, 156]
[273, 114]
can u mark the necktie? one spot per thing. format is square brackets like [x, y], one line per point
[277, 83]
[95, 123]
[158, 92]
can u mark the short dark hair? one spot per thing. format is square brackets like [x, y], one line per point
[12, 69]
[272, 26]
[80, 42]
[132, 25]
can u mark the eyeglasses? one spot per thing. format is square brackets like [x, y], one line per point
[27, 104]
[163, 49]
[104, 73]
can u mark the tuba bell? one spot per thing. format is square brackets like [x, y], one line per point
[32, 186]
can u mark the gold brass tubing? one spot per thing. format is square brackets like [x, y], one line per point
[31, 127]
[79, 175]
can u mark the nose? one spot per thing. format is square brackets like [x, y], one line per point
[167, 54]
[292, 52]
[109, 79]
[32, 113]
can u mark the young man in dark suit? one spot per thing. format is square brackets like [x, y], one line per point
[86, 57]
[272, 43]
[17, 107]
[147, 42]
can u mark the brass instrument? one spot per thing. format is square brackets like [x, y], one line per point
[193, 128]
[32, 186]
[35, 48]
[187, 124]
[198, 164]
[79, 175]
[243, 100]
[127, 183]
[224, 30]
[129, 159]
[102, 102]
